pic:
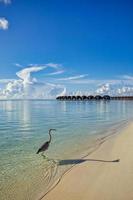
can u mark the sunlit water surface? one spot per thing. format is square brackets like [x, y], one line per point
[24, 125]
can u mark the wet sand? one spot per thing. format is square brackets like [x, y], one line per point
[96, 177]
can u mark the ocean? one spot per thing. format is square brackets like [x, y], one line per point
[80, 128]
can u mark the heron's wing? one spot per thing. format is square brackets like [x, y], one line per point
[44, 147]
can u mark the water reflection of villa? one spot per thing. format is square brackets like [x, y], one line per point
[91, 97]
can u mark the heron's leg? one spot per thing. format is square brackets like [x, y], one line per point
[49, 159]
[43, 155]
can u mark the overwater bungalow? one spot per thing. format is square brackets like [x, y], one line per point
[84, 97]
[78, 97]
[106, 97]
[98, 97]
[73, 98]
[91, 97]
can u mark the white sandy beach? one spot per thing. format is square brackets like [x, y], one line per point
[98, 180]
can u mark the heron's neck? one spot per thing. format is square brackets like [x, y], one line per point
[50, 136]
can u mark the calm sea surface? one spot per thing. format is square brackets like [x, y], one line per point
[24, 125]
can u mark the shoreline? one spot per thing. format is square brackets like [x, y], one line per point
[67, 187]
[94, 145]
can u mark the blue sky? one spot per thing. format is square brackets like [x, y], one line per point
[90, 41]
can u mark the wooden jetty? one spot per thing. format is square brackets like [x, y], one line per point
[91, 97]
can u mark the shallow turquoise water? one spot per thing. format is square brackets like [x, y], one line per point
[24, 127]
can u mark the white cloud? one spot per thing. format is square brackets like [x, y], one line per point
[64, 92]
[56, 67]
[18, 65]
[4, 24]
[27, 87]
[57, 72]
[115, 89]
[5, 1]
[25, 74]
[13, 89]
[127, 77]
[18, 90]
[125, 91]
[73, 77]
[6, 80]
[104, 89]
[53, 65]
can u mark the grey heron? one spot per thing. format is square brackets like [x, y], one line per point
[45, 145]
